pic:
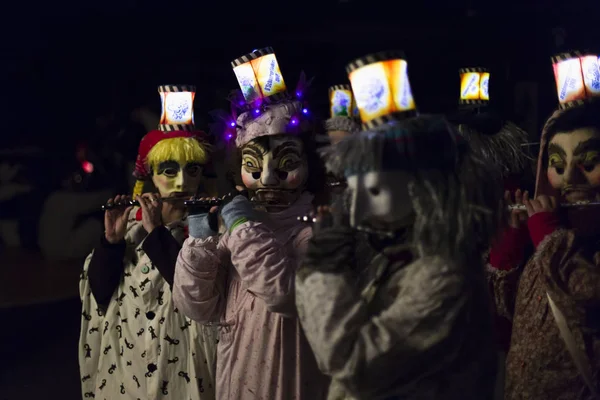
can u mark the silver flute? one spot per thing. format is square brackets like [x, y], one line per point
[195, 202]
[565, 205]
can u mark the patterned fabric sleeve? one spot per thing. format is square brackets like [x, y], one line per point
[571, 267]
[89, 337]
[361, 350]
[503, 286]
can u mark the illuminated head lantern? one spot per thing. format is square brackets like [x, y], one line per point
[577, 77]
[474, 87]
[344, 116]
[498, 141]
[382, 89]
[176, 150]
[268, 108]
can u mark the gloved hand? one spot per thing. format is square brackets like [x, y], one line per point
[201, 226]
[237, 211]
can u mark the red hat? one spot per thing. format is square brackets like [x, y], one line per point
[176, 121]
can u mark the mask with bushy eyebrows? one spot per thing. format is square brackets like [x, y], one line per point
[275, 168]
[574, 164]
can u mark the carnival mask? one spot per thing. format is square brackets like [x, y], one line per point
[380, 201]
[175, 180]
[574, 164]
[275, 168]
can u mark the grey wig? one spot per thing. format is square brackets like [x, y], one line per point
[495, 140]
[455, 195]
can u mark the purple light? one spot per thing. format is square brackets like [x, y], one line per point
[305, 111]
[257, 111]
[229, 136]
[294, 121]
[298, 94]
[242, 103]
[232, 124]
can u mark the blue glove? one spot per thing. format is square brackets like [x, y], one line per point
[199, 226]
[237, 211]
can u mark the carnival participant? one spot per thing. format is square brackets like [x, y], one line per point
[134, 343]
[416, 322]
[244, 280]
[553, 298]
[500, 143]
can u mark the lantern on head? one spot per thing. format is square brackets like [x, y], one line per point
[341, 101]
[259, 77]
[268, 108]
[474, 87]
[382, 89]
[577, 77]
[344, 118]
[177, 108]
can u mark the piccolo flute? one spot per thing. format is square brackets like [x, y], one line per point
[565, 205]
[195, 202]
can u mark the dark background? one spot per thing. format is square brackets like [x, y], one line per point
[65, 63]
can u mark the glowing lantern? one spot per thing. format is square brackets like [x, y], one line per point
[342, 102]
[577, 78]
[381, 87]
[259, 77]
[474, 86]
[177, 108]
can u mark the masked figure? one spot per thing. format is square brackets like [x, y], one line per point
[134, 343]
[500, 144]
[552, 299]
[416, 322]
[244, 279]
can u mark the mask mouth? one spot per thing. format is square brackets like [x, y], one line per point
[385, 228]
[576, 193]
[275, 197]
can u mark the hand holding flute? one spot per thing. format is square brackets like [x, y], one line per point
[115, 218]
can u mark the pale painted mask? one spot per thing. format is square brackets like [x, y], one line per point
[175, 180]
[275, 168]
[574, 164]
[380, 201]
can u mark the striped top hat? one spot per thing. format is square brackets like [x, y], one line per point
[474, 87]
[577, 76]
[382, 89]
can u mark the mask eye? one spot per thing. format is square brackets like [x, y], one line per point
[374, 191]
[170, 171]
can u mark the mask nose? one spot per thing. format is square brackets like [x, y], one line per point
[574, 175]
[179, 181]
[357, 207]
[269, 176]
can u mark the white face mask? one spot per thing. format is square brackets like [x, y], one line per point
[276, 169]
[380, 201]
[574, 165]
